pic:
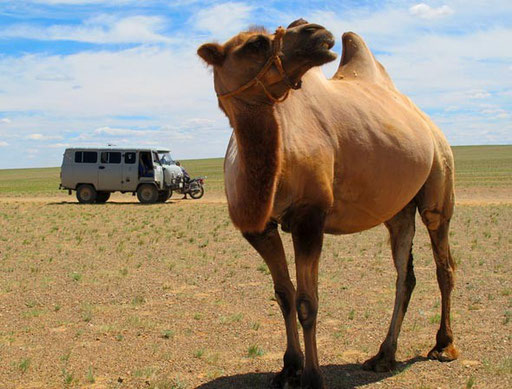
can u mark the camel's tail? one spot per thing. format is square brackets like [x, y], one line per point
[358, 62]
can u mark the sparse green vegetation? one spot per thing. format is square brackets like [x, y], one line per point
[67, 377]
[254, 351]
[167, 334]
[488, 166]
[24, 364]
[198, 353]
[90, 376]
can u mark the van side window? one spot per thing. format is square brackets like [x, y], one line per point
[110, 157]
[114, 157]
[90, 157]
[86, 156]
[129, 158]
[156, 159]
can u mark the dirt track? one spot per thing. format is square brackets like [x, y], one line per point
[116, 198]
[473, 196]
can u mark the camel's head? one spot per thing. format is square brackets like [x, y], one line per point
[256, 66]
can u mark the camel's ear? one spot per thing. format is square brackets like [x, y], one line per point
[212, 53]
[298, 22]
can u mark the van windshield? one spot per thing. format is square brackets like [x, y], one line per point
[166, 159]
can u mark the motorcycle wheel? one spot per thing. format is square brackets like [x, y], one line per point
[198, 193]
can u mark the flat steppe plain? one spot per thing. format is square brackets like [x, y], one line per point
[171, 296]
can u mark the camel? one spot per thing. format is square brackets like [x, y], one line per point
[335, 156]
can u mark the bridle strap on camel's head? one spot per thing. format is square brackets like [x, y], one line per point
[274, 59]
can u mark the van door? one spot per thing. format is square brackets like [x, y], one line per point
[85, 168]
[159, 171]
[110, 171]
[130, 171]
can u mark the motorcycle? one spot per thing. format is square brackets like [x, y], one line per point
[194, 187]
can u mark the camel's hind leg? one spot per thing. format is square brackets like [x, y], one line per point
[435, 204]
[401, 229]
[270, 247]
[438, 227]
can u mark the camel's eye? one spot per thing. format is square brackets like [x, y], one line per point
[257, 43]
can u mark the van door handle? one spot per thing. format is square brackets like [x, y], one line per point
[101, 167]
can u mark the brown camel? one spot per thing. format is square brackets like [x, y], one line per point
[334, 156]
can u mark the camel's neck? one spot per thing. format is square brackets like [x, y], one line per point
[258, 140]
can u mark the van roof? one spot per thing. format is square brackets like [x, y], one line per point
[115, 148]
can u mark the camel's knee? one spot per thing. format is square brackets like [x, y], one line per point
[431, 219]
[285, 300]
[307, 310]
[261, 238]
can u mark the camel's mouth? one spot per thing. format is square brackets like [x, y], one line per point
[321, 51]
[328, 45]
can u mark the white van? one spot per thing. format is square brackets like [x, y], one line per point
[97, 172]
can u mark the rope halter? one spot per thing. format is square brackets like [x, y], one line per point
[274, 59]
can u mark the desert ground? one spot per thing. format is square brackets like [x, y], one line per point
[170, 295]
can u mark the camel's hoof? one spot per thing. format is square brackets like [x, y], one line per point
[380, 363]
[285, 376]
[446, 354]
[312, 380]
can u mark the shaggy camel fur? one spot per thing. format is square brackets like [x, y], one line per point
[337, 156]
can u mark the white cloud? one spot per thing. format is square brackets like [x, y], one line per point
[495, 112]
[43, 137]
[3, 143]
[119, 131]
[84, 2]
[424, 11]
[71, 2]
[139, 81]
[223, 20]
[58, 145]
[5, 121]
[100, 29]
[478, 94]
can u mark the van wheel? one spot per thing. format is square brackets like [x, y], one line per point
[86, 194]
[102, 197]
[164, 195]
[147, 194]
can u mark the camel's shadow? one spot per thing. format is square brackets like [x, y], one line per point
[347, 376]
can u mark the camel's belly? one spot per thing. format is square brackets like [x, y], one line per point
[351, 218]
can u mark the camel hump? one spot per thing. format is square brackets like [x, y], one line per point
[358, 62]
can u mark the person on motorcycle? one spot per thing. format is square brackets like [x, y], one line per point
[186, 176]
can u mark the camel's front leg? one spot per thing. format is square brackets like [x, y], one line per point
[269, 246]
[307, 233]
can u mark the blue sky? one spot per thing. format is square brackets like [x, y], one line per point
[93, 72]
